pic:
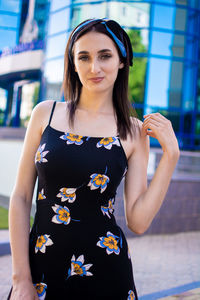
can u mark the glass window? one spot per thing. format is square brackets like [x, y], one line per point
[8, 38]
[81, 13]
[57, 4]
[56, 45]
[135, 14]
[139, 40]
[8, 21]
[53, 78]
[163, 16]
[187, 123]
[192, 22]
[189, 89]
[175, 84]
[197, 127]
[169, 17]
[59, 21]
[10, 5]
[174, 117]
[190, 3]
[194, 3]
[3, 101]
[158, 82]
[137, 79]
[167, 44]
[180, 19]
[29, 98]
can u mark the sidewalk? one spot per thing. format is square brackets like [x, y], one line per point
[164, 266]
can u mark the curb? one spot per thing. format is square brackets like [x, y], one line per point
[171, 292]
[5, 248]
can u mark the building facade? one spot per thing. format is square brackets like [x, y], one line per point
[165, 76]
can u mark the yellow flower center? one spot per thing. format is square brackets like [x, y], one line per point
[100, 179]
[110, 242]
[39, 288]
[64, 215]
[40, 241]
[77, 269]
[75, 137]
[38, 156]
[110, 204]
[106, 141]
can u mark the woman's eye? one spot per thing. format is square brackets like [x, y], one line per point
[83, 58]
[106, 56]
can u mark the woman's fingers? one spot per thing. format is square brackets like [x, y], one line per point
[151, 121]
[156, 116]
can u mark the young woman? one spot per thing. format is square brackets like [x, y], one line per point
[80, 150]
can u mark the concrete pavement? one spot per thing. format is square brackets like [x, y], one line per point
[163, 266]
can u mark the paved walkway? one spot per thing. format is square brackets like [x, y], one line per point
[163, 266]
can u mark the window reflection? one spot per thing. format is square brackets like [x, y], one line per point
[175, 84]
[57, 4]
[137, 80]
[29, 98]
[163, 16]
[197, 127]
[190, 3]
[53, 78]
[134, 14]
[3, 100]
[167, 44]
[10, 5]
[81, 13]
[158, 82]
[56, 45]
[8, 38]
[59, 21]
[8, 21]
[128, 14]
[139, 40]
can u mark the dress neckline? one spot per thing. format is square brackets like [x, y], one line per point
[93, 137]
[87, 136]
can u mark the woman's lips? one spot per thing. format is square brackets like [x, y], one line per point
[96, 79]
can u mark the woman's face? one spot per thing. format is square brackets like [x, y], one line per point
[96, 61]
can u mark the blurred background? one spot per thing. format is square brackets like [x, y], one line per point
[165, 78]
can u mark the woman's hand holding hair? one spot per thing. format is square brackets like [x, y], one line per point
[161, 129]
[24, 290]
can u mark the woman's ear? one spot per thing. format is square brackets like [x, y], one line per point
[121, 65]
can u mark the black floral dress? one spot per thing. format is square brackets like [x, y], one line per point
[77, 250]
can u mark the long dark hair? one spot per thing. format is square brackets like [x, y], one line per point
[71, 85]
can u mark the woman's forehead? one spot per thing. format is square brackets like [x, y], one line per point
[94, 42]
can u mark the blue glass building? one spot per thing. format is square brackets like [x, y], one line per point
[165, 76]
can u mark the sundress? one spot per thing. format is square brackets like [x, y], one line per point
[76, 248]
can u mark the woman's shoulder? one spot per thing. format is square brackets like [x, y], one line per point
[44, 105]
[140, 138]
[136, 126]
[41, 112]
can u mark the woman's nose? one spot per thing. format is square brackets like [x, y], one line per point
[95, 67]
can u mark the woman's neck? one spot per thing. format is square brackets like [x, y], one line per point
[96, 103]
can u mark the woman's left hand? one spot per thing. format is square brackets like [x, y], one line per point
[161, 129]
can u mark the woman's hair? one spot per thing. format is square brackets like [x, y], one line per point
[71, 85]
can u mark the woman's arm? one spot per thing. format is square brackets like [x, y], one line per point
[21, 201]
[141, 202]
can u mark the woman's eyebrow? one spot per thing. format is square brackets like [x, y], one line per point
[100, 51]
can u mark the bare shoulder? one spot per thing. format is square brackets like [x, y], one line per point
[41, 113]
[141, 139]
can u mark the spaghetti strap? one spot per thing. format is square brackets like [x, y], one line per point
[54, 104]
